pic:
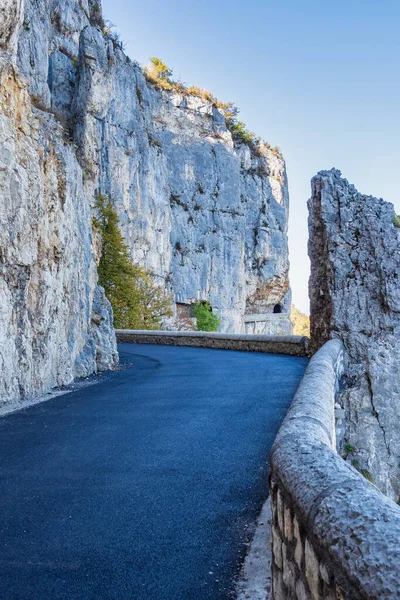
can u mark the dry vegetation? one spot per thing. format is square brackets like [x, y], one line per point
[301, 322]
[160, 76]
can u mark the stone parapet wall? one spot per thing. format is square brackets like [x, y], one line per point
[273, 344]
[334, 535]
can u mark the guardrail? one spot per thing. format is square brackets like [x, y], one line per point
[272, 344]
[334, 535]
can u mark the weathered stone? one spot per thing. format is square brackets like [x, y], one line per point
[298, 553]
[324, 573]
[11, 17]
[355, 296]
[289, 576]
[278, 590]
[279, 510]
[288, 524]
[301, 593]
[277, 547]
[339, 593]
[282, 344]
[312, 570]
[206, 215]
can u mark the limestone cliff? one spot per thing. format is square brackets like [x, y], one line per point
[55, 323]
[355, 295]
[205, 213]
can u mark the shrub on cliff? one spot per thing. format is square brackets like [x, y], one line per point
[160, 75]
[206, 320]
[158, 69]
[396, 220]
[137, 302]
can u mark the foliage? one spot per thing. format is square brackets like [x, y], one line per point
[300, 321]
[239, 131]
[206, 320]
[108, 30]
[183, 323]
[160, 75]
[349, 449]
[159, 69]
[396, 220]
[137, 302]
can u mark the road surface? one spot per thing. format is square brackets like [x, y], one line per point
[145, 485]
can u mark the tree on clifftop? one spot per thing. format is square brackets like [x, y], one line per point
[136, 301]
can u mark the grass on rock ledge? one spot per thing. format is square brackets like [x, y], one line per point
[160, 75]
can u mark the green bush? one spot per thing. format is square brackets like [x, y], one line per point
[396, 221]
[206, 320]
[349, 449]
[239, 131]
[136, 301]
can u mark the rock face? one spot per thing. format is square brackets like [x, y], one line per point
[206, 215]
[354, 249]
[55, 322]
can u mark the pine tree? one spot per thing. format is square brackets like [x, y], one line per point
[136, 301]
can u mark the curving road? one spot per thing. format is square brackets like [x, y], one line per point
[146, 485]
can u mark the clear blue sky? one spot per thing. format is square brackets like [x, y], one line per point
[319, 79]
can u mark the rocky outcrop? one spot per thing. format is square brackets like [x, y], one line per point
[204, 213]
[355, 296]
[55, 323]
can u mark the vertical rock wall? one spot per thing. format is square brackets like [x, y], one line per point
[205, 214]
[55, 323]
[354, 249]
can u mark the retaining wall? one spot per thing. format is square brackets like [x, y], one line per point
[334, 535]
[273, 344]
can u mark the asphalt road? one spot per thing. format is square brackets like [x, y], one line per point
[146, 485]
